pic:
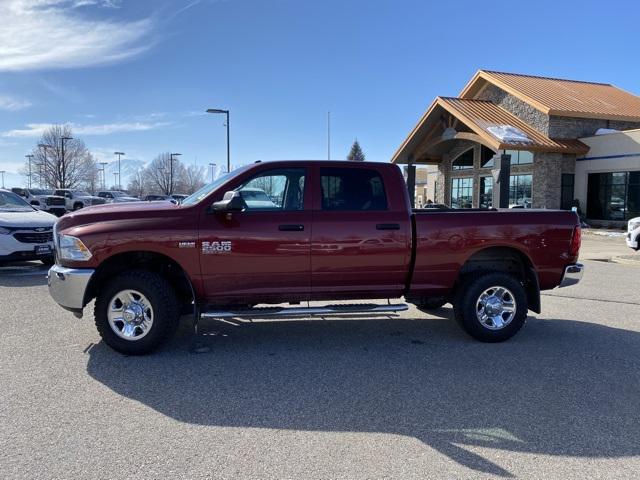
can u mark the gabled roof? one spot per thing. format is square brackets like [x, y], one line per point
[555, 96]
[478, 116]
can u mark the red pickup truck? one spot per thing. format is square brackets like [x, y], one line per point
[298, 231]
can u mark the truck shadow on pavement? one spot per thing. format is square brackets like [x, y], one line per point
[559, 388]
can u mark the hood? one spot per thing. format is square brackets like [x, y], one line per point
[37, 218]
[117, 211]
[128, 199]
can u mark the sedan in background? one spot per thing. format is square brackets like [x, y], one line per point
[113, 196]
[156, 198]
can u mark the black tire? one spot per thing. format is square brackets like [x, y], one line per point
[48, 261]
[468, 295]
[77, 206]
[162, 299]
[430, 304]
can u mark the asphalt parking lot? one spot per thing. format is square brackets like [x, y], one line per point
[405, 397]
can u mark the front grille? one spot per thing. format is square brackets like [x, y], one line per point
[55, 201]
[34, 237]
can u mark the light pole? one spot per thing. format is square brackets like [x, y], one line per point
[29, 157]
[212, 165]
[226, 112]
[119, 154]
[116, 177]
[171, 171]
[2, 172]
[62, 168]
[104, 175]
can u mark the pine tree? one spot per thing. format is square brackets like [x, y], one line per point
[356, 154]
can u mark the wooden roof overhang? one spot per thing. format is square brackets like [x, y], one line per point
[455, 119]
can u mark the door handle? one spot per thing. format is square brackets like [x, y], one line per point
[291, 228]
[388, 226]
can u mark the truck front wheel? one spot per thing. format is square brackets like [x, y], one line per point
[491, 307]
[136, 311]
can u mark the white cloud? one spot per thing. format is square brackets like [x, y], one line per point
[34, 130]
[13, 104]
[46, 34]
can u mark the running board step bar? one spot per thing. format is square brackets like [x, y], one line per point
[263, 312]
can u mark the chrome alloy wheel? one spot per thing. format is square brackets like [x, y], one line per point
[130, 315]
[496, 308]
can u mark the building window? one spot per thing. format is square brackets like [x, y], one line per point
[613, 196]
[463, 161]
[462, 192]
[486, 157]
[520, 157]
[486, 192]
[520, 191]
[566, 189]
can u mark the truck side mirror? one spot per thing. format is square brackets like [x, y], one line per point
[231, 202]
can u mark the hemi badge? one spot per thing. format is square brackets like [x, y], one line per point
[186, 244]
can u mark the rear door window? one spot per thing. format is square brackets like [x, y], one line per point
[352, 189]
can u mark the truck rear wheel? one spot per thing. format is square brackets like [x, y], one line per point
[136, 312]
[491, 307]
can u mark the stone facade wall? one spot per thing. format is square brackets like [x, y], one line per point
[517, 107]
[568, 127]
[547, 178]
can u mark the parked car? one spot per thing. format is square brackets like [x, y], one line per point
[26, 233]
[336, 231]
[77, 199]
[43, 200]
[113, 196]
[633, 233]
[156, 198]
[178, 197]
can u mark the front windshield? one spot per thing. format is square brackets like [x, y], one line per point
[10, 202]
[207, 189]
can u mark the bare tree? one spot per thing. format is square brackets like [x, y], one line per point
[159, 177]
[193, 179]
[137, 184]
[61, 161]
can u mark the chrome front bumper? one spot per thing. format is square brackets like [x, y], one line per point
[67, 286]
[572, 275]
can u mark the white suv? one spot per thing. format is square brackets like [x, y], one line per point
[633, 233]
[77, 199]
[26, 233]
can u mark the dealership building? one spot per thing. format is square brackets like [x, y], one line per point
[567, 140]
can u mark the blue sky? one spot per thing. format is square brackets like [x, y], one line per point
[136, 75]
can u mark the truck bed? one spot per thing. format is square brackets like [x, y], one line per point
[444, 240]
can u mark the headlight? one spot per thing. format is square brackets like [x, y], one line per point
[72, 248]
[4, 231]
[632, 226]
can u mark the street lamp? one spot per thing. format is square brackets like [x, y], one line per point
[226, 112]
[62, 166]
[119, 154]
[29, 157]
[212, 165]
[104, 175]
[171, 171]
[2, 172]
[116, 177]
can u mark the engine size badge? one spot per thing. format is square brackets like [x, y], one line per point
[215, 247]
